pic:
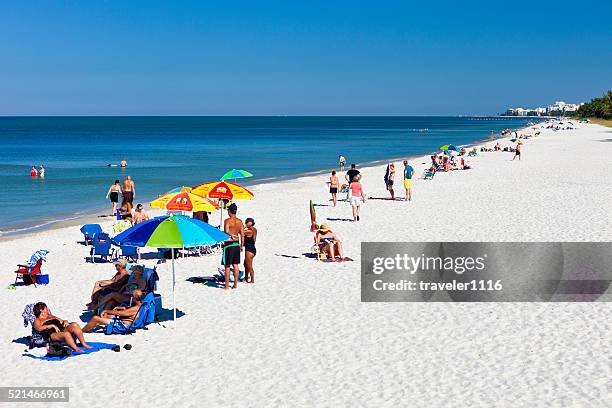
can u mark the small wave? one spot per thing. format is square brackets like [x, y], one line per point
[21, 230]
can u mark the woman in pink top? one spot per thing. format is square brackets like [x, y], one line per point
[357, 197]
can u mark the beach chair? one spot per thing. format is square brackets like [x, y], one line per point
[129, 252]
[31, 270]
[428, 175]
[89, 230]
[146, 315]
[28, 273]
[101, 247]
[317, 250]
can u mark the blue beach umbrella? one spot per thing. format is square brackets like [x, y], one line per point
[173, 232]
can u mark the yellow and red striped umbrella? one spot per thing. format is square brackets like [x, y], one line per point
[222, 190]
[184, 201]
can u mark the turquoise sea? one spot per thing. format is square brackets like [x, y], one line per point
[164, 152]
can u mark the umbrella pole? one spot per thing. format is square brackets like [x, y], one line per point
[173, 291]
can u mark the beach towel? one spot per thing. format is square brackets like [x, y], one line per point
[96, 347]
[121, 225]
[345, 259]
[40, 254]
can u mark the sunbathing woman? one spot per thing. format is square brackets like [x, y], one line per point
[127, 315]
[330, 242]
[52, 328]
[136, 281]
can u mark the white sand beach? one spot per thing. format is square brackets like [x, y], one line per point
[300, 336]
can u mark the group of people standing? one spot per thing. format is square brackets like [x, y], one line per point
[127, 189]
[390, 179]
[242, 238]
[354, 188]
[356, 195]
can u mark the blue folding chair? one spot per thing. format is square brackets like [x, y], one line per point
[129, 252]
[89, 230]
[101, 247]
[146, 315]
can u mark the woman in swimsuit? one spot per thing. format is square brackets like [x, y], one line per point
[330, 242]
[52, 328]
[250, 236]
[390, 177]
[333, 186]
[113, 193]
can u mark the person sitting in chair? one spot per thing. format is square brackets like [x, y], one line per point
[114, 284]
[126, 314]
[136, 281]
[329, 242]
[52, 328]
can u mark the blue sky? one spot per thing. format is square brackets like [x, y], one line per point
[299, 58]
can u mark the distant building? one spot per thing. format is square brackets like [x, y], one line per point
[557, 108]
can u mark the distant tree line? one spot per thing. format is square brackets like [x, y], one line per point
[598, 107]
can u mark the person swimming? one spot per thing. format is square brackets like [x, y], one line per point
[33, 172]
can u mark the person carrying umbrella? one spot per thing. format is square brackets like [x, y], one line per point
[232, 247]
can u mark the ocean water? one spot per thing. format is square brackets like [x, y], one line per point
[165, 152]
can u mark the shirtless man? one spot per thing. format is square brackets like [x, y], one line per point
[129, 193]
[140, 215]
[126, 314]
[234, 227]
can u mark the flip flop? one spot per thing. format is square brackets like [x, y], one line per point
[127, 347]
[116, 349]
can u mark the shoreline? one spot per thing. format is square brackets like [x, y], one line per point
[98, 215]
[301, 309]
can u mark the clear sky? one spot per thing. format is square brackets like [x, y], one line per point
[299, 57]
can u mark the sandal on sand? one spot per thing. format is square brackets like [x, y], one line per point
[116, 349]
[127, 347]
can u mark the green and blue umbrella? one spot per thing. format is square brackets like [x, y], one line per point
[449, 147]
[173, 232]
[234, 174]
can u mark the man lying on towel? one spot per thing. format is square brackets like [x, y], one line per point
[126, 314]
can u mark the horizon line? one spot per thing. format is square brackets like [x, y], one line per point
[263, 116]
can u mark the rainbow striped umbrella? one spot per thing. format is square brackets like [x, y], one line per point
[173, 232]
